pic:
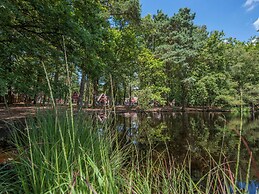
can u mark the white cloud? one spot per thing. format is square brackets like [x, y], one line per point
[250, 4]
[256, 24]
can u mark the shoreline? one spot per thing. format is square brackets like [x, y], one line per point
[20, 111]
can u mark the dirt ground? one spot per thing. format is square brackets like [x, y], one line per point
[16, 112]
[19, 111]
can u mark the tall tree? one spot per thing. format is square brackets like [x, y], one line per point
[178, 50]
[152, 79]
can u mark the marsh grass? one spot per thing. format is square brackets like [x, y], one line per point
[54, 157]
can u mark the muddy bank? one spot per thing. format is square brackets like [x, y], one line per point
[6, 156]
[7, 148]
[17, 113]
[20, 111]
[125, 109]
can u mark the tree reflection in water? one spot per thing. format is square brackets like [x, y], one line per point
[203, 137]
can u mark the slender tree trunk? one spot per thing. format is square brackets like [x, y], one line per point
[130, 93]
[112, 94]
[9, 96]
[6, 104]
[88, 92]
[95, 92]
[115, 95]
[81, 91]
[125, 92]
[184, 97]
[44, 99]
[35, 99]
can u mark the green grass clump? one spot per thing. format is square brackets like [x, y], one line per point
[54, 157]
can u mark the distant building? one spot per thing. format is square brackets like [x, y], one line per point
[75, 97]
[103, 100]
[131, 101]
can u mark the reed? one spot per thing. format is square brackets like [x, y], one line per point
[94, 161]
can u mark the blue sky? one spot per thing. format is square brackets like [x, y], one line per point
[237, 18]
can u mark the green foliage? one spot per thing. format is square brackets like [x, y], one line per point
[152, 79]
[178, 49]
[115, 51]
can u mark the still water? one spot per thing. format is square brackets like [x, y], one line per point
[199, 136]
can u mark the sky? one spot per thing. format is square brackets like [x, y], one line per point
[236, 18]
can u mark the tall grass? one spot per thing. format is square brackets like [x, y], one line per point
[51, 161]
[54, 157]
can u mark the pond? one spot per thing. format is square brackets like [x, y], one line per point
[199, 136]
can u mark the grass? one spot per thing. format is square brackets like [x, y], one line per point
[59, 159]
[60, 155]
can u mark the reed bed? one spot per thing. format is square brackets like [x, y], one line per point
[57, 154]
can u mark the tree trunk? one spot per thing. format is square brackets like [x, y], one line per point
[95, 92]
[184, 95]
[9, 96]
[35, 99]
[130, 95]
[44, 99]
[81, 91]
[88, 96]
[112, 93]
[125, 92]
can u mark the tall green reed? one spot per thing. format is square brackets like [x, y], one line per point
[90, 164]
[97, 163]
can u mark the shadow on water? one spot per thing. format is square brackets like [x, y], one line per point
[199, 136]
[7, 149]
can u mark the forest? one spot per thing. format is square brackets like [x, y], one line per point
[56, 55]
[94, 47]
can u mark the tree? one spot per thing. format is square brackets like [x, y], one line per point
[244, 70]
[152, 29]
[31, 33]
[152, 79]
[178, 49]
[213, 84]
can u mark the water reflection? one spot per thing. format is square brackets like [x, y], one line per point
[200, 135]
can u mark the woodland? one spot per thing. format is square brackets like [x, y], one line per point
[73, 52]
[93, 47]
